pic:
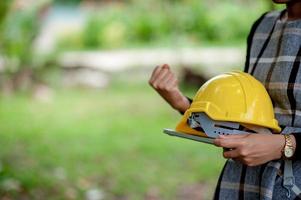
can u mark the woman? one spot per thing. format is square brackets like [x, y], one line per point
[254, 169]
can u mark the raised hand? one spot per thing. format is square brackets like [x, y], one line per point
[164, 81]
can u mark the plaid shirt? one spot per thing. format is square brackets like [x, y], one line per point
[273, 57]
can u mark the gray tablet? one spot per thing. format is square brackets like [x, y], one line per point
[187, 136]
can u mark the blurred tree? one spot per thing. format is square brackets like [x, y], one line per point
[20, 26]
[4, 6]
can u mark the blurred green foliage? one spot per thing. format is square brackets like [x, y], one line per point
[20, 29]
[161, 23]
[20, 25]
[4, 6]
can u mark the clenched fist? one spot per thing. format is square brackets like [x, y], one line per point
[164, 81]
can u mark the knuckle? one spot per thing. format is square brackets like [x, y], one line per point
[216, 142]
[219, 143]
[242, 152]
[248, 162]
[167, 88]
[161, 87]
[225, 155]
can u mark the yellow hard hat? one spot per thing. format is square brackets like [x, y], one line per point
[231, 97]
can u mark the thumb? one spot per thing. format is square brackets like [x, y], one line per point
[236, 136]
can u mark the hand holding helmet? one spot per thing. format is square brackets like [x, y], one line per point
[229, 109]
[252, 149]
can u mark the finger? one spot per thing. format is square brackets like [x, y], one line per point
[155, 73]
[168, 80]
[228, 143]
[231, 154]
[236, 136]
[161, 77]
[227, 149]
[172, 83]
[166, 66]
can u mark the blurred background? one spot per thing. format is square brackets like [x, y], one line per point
[78, 119]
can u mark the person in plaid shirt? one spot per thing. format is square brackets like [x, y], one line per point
[255, 165]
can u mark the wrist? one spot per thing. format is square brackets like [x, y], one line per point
[181, 103]
[178, 101]
[280, 144]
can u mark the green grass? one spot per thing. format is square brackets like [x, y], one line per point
[109, 139]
